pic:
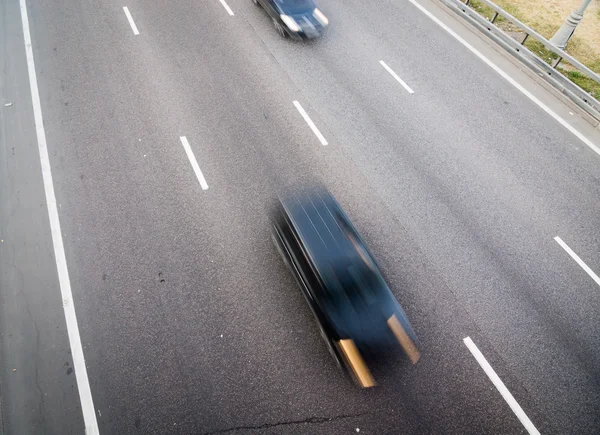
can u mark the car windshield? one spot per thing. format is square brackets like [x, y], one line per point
[292, 7]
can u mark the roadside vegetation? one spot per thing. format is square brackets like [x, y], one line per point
[545, 17]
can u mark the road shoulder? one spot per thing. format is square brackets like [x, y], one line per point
[37, 382]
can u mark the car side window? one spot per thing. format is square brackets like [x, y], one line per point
[348, 284]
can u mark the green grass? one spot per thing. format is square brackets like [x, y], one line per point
[582, 50]
[539, 50]
[484, 11]
[481, 9]
[585, 83]
[511, 9]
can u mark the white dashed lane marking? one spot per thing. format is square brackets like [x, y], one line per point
[310, 123]
[578, 260]
[227, 8]
[398, 79]
[130, 19]
[487, 368]
[194, 162]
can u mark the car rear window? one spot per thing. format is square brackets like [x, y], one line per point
[295, 6]
[354, 284]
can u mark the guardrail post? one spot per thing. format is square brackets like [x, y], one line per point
[494, 17]
[557, 62]
[525, 38]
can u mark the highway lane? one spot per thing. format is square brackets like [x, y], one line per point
[479, 191]
[156, 358]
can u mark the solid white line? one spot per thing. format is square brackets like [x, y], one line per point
[578, 260]
[190, 154]
[130, 19]
[487, 368]
[311, 124]
[509, 79]
[226, 6]
[402, 82]
[83, 384]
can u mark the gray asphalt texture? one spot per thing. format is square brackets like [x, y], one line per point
[189, 320]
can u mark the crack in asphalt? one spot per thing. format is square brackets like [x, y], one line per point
[37, 334]
[309, 420]
[37, 371]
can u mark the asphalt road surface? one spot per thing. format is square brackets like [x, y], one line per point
[189, 321]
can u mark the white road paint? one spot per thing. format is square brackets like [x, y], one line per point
[578, 260]
[509, 79]
[130, 19]
[311, 124]
[227, 8]
[487, 368]
[195, 166]
[83, 384]
[402, 82]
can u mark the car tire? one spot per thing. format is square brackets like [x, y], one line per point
[280, 29]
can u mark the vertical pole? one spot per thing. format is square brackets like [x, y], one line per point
[562, 35]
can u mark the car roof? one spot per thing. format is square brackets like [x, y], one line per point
[319, 221]
[296, 6]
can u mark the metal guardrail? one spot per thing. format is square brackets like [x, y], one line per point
[517, 48]
[549, 45]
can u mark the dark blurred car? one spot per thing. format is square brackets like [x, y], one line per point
[300, 19]
[354, 307]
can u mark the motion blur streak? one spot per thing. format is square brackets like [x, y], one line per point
[405, 341]
[360, 369]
